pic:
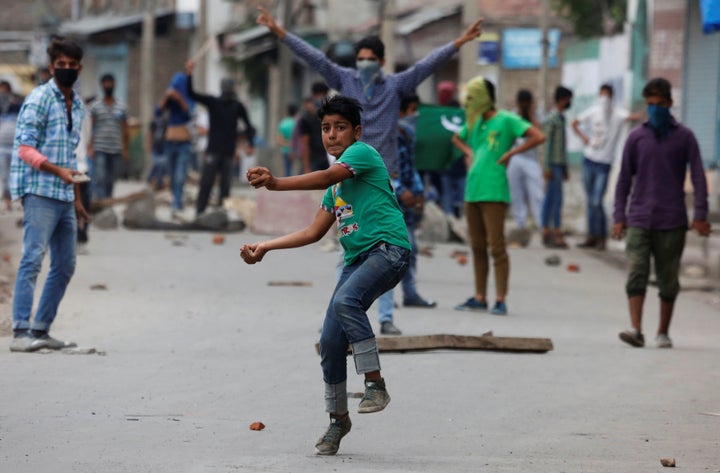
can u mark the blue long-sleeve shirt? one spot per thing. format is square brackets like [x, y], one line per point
[652, 176]
[408, 178]
[380, 113]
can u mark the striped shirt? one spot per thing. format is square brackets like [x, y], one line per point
[43, 124]
[380, 113]
[107, 126]
[554, 149]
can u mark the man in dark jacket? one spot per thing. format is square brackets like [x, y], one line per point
[223, 112]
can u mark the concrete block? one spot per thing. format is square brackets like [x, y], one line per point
[282, 212]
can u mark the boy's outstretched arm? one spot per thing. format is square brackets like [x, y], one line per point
[254, 253]
[262, 177]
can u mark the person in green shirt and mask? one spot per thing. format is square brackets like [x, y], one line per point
[487, 140]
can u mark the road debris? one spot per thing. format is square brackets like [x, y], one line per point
[668, 462]
[257, 426]
[553, 260]
[290, 283]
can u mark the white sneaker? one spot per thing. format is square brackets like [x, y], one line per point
[663, 341]
[27, 343]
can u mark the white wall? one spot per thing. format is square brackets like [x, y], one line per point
[584, 77]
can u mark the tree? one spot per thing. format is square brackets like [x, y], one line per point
[593, 17]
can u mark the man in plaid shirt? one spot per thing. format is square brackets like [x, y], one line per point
[43, 175]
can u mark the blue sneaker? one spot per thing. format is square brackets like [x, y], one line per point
[472, 304]
[499, 309]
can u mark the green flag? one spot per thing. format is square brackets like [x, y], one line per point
[436, 125]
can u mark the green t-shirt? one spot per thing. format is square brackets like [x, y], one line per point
[365, 205]
[285, 128]
[489, 140]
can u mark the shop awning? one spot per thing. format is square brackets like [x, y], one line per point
[106, 22]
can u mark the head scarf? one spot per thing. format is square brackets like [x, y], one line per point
[477, 100]
[446, 91]
[179, 83]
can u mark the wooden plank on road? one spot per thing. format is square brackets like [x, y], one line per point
[461, 342]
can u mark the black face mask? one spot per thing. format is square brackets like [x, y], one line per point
[108, 91]
[65, 77]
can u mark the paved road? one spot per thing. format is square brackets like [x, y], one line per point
[198, 346]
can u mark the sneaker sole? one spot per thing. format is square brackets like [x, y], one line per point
[28, 349]
[470, 309]
[61, 347]
[325, 454]
[630, 340]
[370, 410]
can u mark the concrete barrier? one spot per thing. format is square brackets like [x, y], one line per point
[281, 212]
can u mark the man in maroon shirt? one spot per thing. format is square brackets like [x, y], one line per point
[655, 160]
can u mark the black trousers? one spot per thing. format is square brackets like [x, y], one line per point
[211, 166]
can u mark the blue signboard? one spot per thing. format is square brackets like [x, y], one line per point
[521, 48]
[488, 52]
[710, 12]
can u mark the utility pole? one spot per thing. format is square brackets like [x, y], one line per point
[544, 43]
[285, 59]
[147, 86]
[388, 20]
[468, 55]
[282, 75]
[201, 36]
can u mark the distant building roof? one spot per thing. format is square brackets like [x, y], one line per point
[90, 25]
[424, 17]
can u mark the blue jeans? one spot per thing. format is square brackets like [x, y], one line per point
[47, 223]
[178, 159]
[595, 180]
[552, 205]
[5, 159]
[386, 302]
[346, 321]
[103, 173]
[287, 163]
[158, 170]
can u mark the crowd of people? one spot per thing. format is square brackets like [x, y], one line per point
[357, 144]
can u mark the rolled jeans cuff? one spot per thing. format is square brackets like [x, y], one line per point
[365, 354]
[336, 398]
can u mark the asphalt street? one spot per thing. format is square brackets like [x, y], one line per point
[193, 346]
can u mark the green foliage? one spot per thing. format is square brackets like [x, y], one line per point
[593, 17]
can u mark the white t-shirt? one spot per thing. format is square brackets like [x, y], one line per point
[604, 128]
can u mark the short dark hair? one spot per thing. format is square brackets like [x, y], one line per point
[490, 89]
[6, 84]
[107, 77]
[607, 88]
[659, 86]
[407, 100]
[319, 88]
[524, 96]
[340, 105]
[292, 109]
[61, 46]
[562, 93]
[372, 43]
